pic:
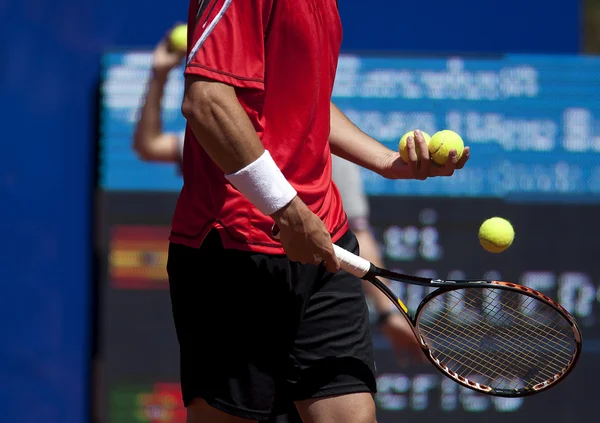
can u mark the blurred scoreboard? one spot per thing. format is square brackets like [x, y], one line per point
[533, 122]
[535, 140]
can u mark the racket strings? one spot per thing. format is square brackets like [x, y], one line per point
[469, 365]
[474, 343]
[512, 351]
[469, 345]
[505, 318]
[503, 339]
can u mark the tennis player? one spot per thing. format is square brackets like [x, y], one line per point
[153, 143]
[257, 327]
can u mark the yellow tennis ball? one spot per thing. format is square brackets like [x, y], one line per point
[441, 144]
[402, 145]
[178, 38]
[496, 235]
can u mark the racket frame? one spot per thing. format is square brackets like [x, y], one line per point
[444, 286]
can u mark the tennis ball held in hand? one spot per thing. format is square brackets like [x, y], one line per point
[441, 144]
[402, 145]
[178, 38]
[496, 235]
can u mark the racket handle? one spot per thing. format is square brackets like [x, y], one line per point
[349, 262]
[352, 263]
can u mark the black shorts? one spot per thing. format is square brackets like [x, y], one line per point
[257, 331]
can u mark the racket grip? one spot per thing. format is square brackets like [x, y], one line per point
[349, 262]
[352, 263]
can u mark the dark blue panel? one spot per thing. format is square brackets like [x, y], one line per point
[514, 26]
[49, 63]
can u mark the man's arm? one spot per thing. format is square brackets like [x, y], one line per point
[351, 143]
[219, 66]
[150, 141]
[220, 124]
[223, 129]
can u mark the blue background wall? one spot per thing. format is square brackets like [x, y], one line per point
[49, 64]
[514, 26]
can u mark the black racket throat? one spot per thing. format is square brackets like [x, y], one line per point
[375, 271]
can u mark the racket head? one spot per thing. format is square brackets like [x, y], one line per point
[500, 338]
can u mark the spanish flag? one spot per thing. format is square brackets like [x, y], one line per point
[160, 403]
[138, 257]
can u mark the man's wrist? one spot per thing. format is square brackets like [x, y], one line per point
[263, 184]
[281, 216]
[385, 160]
[392, 166]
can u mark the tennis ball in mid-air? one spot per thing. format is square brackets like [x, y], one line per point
[496, 235]
[402, 146]
[178, 38]
[441, 144]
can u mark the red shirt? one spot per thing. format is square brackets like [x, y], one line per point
[281, 56]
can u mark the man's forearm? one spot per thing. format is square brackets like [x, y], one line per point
[225, 131]
[149, 125]
[349, 142]
[220, 124]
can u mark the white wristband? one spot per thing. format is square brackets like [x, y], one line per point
[263, 184]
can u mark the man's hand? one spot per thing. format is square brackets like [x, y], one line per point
[397, 330]
[393, 167]
[304, 236]
[165, 59]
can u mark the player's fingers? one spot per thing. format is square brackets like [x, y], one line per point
[422, 147]
[413, 158]
[450, 166]
[331, 261]
[463, 160]
[411, 149]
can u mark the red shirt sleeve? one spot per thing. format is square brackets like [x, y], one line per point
[227, 41]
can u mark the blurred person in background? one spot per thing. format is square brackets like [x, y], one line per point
[150, 141]
[153, 144]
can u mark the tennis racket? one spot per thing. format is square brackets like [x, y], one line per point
[494, 337]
